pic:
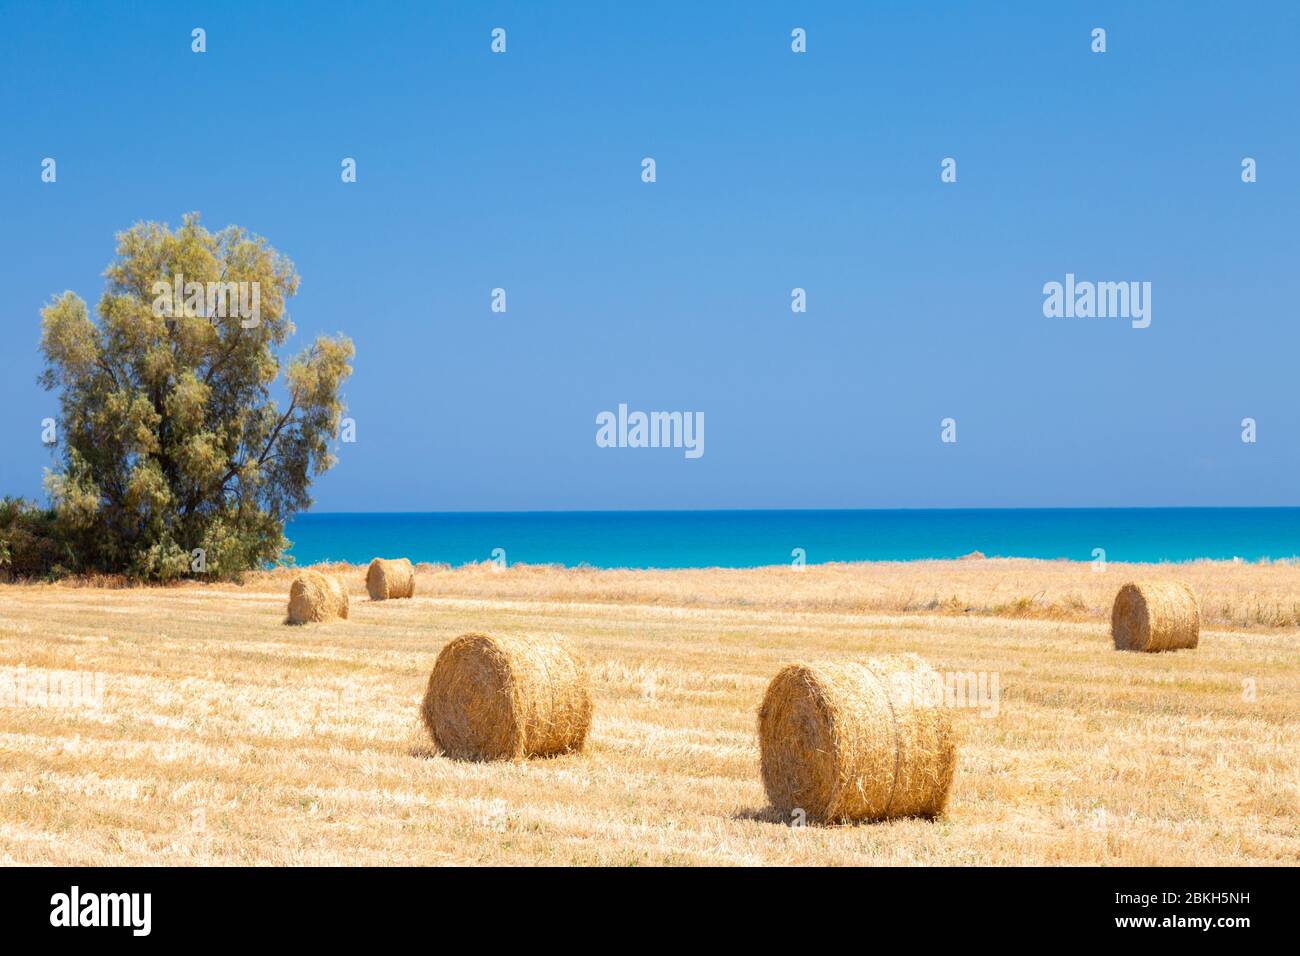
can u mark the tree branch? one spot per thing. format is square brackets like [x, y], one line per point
[225, 354]
[270, 443]
[102, 363]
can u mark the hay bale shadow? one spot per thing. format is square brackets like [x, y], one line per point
[768, 814]
[431, 751]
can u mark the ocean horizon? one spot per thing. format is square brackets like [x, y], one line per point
[752, 538]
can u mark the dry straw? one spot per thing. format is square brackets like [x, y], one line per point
[316, 597]
[857, 741]
[1155, 616]
[390, 578]
[504, 698]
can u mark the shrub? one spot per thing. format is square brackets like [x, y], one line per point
[30, 543]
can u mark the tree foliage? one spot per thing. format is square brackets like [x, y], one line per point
[171, 440]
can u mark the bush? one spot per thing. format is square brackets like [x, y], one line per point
[30, 543]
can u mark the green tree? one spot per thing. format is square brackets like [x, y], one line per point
[171, 440]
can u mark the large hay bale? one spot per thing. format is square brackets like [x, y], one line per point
[390, 578]
[1155, 616]
[316, 597]
[504, 698]
[857, 741]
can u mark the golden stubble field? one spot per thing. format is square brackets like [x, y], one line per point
[207, 732]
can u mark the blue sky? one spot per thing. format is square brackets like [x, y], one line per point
[774, 170]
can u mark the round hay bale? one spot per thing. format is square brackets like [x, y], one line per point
[857, 741]
[505, 698]
[390, 578]
[1155, 616]
[316, 597]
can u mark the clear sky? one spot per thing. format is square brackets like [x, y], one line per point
[774, 170]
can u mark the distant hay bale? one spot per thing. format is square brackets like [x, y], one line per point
[1155, 616]
[505, 698]
[390, 578]
[857, 741]
[316, 597]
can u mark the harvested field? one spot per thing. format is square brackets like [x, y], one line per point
[188, 725]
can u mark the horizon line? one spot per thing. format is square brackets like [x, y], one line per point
[590, 511]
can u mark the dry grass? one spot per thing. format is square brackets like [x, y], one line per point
[1232, 595]
[224, 737]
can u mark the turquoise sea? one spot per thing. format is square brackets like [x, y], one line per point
[736, 539]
